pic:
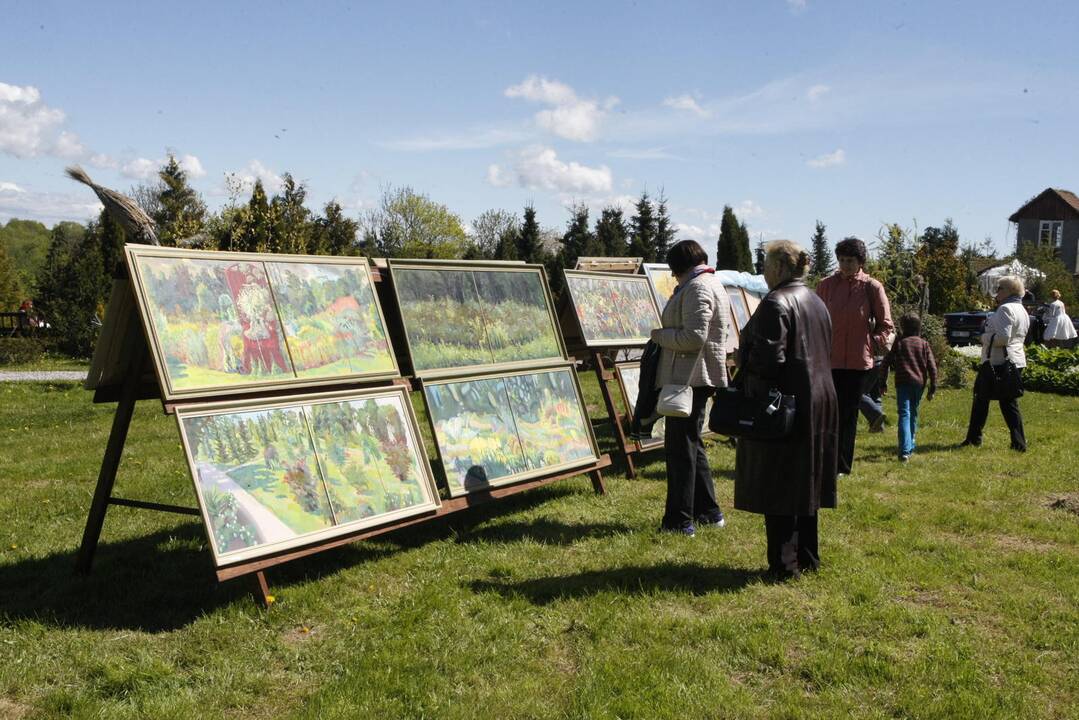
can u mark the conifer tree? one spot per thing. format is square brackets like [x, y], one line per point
[822, 263]
[292, 227]
[528, 239]
[334, 234]
[179, 212]
[642, 230]
[253, 225]
[745, 258]
[611, 233]
[727, 247]
[577, 237]
[665, 232]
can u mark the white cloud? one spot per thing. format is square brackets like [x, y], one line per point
[570, 116]
[538, 167]
[192, 166]
[816, 92]
[828, 159]
[797, 6]
[243, 181]
[748, 209]
[30, 128]
[686, 102]
[145, 168]
[477, 139]
[689, 232]
[47, 207]
[10, 187]
[657, 153]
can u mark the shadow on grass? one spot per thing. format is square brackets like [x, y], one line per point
[547, 532]
[689, 578]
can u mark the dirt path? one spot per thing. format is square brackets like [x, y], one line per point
[270, 529]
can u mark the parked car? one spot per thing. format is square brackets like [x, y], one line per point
[965, 328]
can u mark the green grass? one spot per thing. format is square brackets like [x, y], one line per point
[49, 362]
[950, 589]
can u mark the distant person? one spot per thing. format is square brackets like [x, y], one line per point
[871, 404]
[1059, 329]
[861, 327]
[1002, 341]
[692, 341]
[915, 367]
[787, 345]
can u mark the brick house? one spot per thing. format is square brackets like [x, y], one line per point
[1051, 218]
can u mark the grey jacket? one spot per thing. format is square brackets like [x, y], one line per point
[697, 316]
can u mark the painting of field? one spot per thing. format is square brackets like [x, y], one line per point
[443, 318]
[475, 432]
[331, 319]
[519, 320]
[369, 456]
[214, 320]
[613, 310]
[549, 418]
[662, 281]
[630, 376]
[258, 477]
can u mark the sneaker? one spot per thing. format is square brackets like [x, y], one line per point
[715, 520]
[687, 530]
[904, 458]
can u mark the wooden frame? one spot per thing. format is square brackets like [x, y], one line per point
[659, 276]
[135, 253]
[621, 342]
[396, 266]
[430, 502]
[529, 474]
[737, 298]
[619, 370]
[609, 264]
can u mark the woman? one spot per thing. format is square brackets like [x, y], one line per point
[692, 340]
[787, 345]
[1058, 326]
[861, 325]
[1002, 340]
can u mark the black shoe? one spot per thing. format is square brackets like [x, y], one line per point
[715, 520]
[782, 576]
[1019, 448]
[970, 443]
[687, 530]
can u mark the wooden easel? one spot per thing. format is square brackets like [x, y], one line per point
[119, 374]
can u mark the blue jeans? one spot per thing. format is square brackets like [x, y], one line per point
[907, 398]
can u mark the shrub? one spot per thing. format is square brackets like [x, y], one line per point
[19, 350]
[952, 369]
[1053, 370]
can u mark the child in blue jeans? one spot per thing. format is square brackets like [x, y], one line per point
[912, 359]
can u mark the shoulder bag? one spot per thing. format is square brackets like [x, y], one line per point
[736, 414]
[999, 382]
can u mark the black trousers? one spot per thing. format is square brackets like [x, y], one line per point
[979, 413]
[792, 543]
[690, 492]
[850, 385]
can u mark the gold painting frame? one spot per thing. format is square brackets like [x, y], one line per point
[627, 340]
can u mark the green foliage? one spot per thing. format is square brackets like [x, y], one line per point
[20, 350]
[333, 233]
[528, 246]
[1057, 276]
[611, 233]
[643, 230]
[494, 232]
[666, 236]
[409, 224]
[1053, 370]
[179, 212]
[292, 221]
[26, 243]
[73, 287]
[953, 371]
[732, 250]
[894, 267]
[11, 292]
[578, 240]
[822, 258]
[938, 262]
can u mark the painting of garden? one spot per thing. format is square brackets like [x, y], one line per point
[613, 310]
[369, 455]
[214, 320]
[458, 318]
[258, 477]
[475, 431]
[662, 280]
[491, 429]
[630, 375]
[331, 319]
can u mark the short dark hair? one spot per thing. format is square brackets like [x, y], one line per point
[685, 255]
[851, 247]
[910, 324]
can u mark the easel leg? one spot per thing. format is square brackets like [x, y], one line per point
[597, 482]
[615, 416]
[262, 589]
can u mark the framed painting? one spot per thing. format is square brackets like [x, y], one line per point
[475, 316]
[225, 323]
[662, 282]
[271, 476]
[753, 301]
[629, 379]
[612, 310]
[739, 308]
[499, 429]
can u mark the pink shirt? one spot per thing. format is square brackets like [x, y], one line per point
[853, 304]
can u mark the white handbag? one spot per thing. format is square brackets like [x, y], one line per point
[677, 400]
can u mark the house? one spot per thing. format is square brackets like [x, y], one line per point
[1052, 219]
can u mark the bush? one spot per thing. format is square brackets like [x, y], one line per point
[1052, 370]
[18, 350]
[952, 369]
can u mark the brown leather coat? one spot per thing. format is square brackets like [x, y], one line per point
[788, 344]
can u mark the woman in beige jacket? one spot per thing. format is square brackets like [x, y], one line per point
[696, 321]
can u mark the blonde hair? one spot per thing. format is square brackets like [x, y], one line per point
[789, 255]
[1055, 294]
[1012, 283]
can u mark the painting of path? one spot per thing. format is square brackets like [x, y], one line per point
[214, 320]
[549, 418]
[331, 319]
[613, 310]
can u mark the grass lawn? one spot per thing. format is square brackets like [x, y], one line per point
[949, 589]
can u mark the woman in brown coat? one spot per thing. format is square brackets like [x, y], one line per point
[787, 345]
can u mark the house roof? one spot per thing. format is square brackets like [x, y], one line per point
[1050, 204]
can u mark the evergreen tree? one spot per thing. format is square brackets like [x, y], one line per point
[611, 233]
[745, 258]
[577, 237]
[292, 227]
[665, 232]
[894, 266]
[822, 263]
[642, 230]
[179, 212]
[71, 291]
[758, 262]
[111, 238]
[528, 239]
[253, 225]
[334, 234]
[727, 247]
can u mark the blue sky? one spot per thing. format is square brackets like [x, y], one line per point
[854, 113]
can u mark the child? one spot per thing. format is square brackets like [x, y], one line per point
[912, 359]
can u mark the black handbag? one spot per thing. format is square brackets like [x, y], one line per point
[999, 382]
[735, 414]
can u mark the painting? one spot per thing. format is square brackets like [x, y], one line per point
[629, 379]
[470, 315]
[222, 323]
[753, 301]
[739, 309]
[494, 430]
[662, 281]
[281, 475]
[612, 309]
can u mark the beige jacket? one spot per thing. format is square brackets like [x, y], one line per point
[697, 316]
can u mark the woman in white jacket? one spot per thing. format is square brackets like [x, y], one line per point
[1058, 326]
[1002, 341]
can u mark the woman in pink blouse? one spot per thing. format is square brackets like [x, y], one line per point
[861, 324]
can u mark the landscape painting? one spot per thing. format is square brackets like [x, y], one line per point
[662, 280]
[331, 319]
[215, 321]
[475, 432]
[738, 307]
[612, 309]
[629, 377]
[457, 317]
[270, 478]
[550, 419]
